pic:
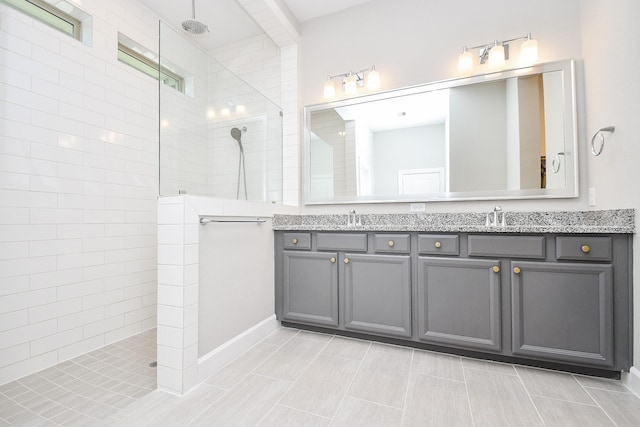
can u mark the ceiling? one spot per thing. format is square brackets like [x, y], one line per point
[227, 20]
[305, 10]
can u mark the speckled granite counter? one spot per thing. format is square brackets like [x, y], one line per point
[620, 221]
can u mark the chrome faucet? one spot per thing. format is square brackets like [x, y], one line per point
[351, 220]
[354, 220]
[496, 218]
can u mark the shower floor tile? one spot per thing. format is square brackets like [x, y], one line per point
[87, 390]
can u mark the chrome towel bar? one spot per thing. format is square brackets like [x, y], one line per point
[206, 219]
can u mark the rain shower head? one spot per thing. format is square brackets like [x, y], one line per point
[237, 135]
[193, 25]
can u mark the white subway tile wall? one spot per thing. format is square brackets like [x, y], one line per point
[79, 180]
[78, 187]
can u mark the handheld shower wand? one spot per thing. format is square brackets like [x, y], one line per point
[237, 135]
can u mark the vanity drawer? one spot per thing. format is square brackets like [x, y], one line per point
[342, 242]
[300, 241]
[438, 244]
[583, 248]
[507, 246]
[396, 243]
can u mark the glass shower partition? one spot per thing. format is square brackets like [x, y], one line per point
[219, 136]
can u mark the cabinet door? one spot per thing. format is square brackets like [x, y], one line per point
[378, 294]
[563, 311]
[459, 302]
[310, 288]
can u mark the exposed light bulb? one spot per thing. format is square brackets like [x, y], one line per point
[373, 79]
[465, 62]
[329, 89]
[496, 56]
[529, 51]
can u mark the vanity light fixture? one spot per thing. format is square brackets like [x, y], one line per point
[496, 53]
[529, 51]
[351, 81]
[497, 56]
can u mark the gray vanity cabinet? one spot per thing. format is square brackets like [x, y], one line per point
[563, 311]
[310, 287]
[542, 297]
[377, 294]
[459, 302]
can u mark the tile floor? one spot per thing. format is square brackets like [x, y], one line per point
[298, 378]
[81, 391]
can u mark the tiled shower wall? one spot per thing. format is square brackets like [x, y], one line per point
[78, 171]
[79, 180]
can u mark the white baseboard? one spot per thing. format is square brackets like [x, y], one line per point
[632, 380]
[215, 360]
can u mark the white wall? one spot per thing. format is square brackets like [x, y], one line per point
[411, 43]
[481, 165]
[78, 171]
[610, 35]
[426, 145]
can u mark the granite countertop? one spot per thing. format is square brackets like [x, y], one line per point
[617, 221]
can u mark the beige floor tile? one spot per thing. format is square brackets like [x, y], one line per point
[489, 366]
[321, 387]
[622, 408]
[499, 400]
[280, 336]
[559, 413]
[360, 413]
[290, 360]
[557, 385]
[235, 371]
[435, 401]
[148, 404]
[382, 378]
[281, 416]
[394, 349]
[183, 410]
[314, 336]
[437, 365]
[602, 383]
[245, 404]
[347, 348]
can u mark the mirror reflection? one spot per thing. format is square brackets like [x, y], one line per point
[497, 137]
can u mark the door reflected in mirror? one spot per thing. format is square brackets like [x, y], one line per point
[492, 136]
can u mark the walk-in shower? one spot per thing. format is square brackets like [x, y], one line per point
[237, 135]
[197, 154]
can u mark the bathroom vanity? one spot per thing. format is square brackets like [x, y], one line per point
[552, 288]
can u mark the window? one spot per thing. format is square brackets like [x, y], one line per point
[142, 59]
[64, 16]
